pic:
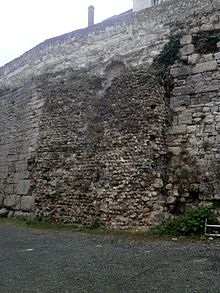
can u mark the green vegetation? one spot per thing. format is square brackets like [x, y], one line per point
[94, 224]
[166, 58]
[191, 223]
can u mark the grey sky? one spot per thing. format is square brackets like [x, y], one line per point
[25, 23]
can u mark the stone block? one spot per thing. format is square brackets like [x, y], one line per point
[12, 201]
[179, 129]
[185, 118]
[204, 99]
[11, 167]
[11, 214]
[207, 27]
[186, 40]
[21, 166]
[218, 127]
[180, 101]
[217, 56]
[191, 129]
[9, 188]
[176, 151]
[209, 119]
[187, 50]
[209, 128]
[206, 86]
[192, 59]
[23, 175]
[171, 199]
[27, 203]
[207, 57]
[23, 187]
[169, 186]
[158, 183]
[182, 90]
[217, 196]
[205, 66]
[181, 71]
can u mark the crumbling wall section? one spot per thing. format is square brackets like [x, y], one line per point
[101, 157]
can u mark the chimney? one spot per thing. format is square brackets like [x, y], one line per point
[91, 15]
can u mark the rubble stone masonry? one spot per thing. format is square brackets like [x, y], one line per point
[88, 130]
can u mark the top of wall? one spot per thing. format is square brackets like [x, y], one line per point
[119, 37]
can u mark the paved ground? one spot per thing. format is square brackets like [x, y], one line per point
[48, 261]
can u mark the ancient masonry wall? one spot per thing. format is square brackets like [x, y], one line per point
[20, 112]
[133, 39]
[86, 135]
[194, 138]
[94, 162]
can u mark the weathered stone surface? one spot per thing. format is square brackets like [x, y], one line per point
[27, 203]
[171, 200]
[12, 201]
[180, 129]
[108, 166]
[192, 59]
[181, 71]
[217, 56]
[186, 39]
[23, 187]
[183, 90]
[175, 150]
[187, 50]
[84, 136]
[180, 101]
[205, 66]
[185, 118]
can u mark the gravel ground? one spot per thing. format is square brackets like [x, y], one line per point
[51, 261]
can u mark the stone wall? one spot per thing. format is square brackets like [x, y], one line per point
[101, 157]
[133, 39]
[88, 131]
[20, 112]
[194, 138]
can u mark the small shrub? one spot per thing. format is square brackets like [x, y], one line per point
[94, 224]
[190, 224]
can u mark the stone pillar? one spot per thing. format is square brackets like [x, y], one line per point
[91, 15]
